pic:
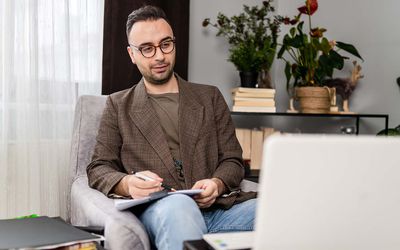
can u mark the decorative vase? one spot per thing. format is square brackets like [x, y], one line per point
[264, 79]
[314, 99]
[248, 79]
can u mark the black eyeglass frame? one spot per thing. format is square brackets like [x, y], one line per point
[140, 48]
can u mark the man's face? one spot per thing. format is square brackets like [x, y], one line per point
[159, 68]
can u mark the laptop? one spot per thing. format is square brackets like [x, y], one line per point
[329, 192]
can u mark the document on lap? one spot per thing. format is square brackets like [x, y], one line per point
[122, 204]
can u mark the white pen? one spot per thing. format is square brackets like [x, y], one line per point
[147, 178]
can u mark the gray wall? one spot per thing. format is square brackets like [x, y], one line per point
[369, 25]
[207, 53]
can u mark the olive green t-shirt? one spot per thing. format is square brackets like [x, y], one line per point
[167, 109]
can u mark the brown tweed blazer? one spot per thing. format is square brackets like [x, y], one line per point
[130, 138]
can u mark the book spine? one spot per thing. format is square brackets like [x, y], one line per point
[254, 109]
[267, 103]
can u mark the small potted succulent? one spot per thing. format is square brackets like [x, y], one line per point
[252, 36]
[311, 60]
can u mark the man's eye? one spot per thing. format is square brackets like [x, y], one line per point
[147, 49]
[166, 44]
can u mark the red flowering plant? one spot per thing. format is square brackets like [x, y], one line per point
[313, 57]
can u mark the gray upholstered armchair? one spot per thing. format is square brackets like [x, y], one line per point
[89, 207]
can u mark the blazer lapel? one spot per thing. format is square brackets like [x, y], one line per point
[146, 120]
[190, 120]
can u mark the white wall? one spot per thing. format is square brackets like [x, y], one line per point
[371, 26]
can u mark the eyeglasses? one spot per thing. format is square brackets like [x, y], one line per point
[149, 51]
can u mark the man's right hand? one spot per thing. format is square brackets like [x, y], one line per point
[135, 187]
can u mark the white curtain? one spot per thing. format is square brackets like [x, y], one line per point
[50, 52]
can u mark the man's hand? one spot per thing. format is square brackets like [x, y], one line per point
[212, 189]
[135, 187]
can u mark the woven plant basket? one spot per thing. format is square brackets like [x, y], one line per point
[314, 99]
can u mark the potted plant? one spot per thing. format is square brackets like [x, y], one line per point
[390, 131]
[252, 36]
[311, 59]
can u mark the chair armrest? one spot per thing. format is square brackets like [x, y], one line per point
[122, 229]
[92, 229]
[248, 186]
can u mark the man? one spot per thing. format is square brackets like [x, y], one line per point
[177, 133]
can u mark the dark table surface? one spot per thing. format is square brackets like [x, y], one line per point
[196, 245]
[199, 245]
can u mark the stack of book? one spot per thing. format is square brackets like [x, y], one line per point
[253, 100]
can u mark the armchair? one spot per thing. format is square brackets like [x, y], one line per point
[89, 207]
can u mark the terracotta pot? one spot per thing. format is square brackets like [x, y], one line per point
[314, 99]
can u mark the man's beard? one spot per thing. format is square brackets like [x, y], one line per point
[159, 81]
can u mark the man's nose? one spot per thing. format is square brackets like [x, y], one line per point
[159, 54]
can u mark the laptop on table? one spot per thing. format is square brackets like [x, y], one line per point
[329, 192]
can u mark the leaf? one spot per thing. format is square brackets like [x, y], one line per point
[281, 51]
[295, 42]
[301, 71]
[325, 46]
[337, 60]
[329, 62]
[316, 43]
[292, 31]
[319, 75]
[325, 66]
[349, 48]
[300, 28]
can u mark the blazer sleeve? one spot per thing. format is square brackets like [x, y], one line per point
[230, 167]
[105, 169]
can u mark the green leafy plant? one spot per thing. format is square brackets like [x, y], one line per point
[391, 131]
[252, 36]
[311, 57]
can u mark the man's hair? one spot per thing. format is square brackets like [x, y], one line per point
[147, 12]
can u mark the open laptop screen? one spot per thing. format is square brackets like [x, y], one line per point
[329, 192]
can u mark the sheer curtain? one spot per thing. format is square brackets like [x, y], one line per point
[50, 52]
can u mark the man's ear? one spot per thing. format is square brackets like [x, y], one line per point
[130, 52]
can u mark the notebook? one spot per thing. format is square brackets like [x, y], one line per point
[41, 233]
[329, 192]
[122, 204]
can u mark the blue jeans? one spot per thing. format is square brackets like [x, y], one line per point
[177, 218]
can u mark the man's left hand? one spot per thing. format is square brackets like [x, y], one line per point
[211, 187]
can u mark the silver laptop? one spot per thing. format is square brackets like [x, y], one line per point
[324, 192]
